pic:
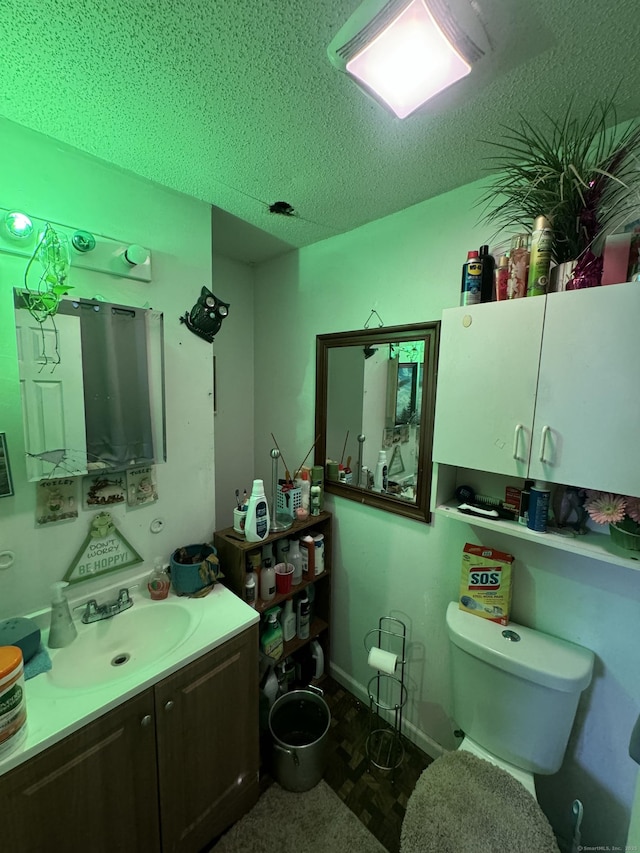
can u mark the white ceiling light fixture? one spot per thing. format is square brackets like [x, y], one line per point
[403, 52]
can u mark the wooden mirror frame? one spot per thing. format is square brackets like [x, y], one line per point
[430, 334]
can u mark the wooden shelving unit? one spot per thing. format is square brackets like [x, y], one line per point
[234, 551]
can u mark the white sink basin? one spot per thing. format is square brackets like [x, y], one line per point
[121, 646]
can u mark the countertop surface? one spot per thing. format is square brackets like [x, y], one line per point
[55, 711]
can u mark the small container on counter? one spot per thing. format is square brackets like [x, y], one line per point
[13, 700]
[539, 501]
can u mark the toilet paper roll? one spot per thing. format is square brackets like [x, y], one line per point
[382, 661]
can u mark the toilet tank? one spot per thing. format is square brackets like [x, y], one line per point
[515, 690]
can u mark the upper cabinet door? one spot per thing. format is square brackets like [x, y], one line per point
[487, 376]
[587, 421]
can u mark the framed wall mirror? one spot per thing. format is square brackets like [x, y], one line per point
[375, 401]
[92, 387]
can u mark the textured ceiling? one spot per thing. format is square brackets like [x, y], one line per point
[235, 101]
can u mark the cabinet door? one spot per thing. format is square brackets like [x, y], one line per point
[487, 375]
[207, 733]
[94, 791]
[588, 406]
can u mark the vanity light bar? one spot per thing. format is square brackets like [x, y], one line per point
[20, 233]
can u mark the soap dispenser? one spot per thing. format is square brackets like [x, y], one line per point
[159, 582]
[63, 630]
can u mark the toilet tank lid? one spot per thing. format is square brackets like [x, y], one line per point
[537, 657]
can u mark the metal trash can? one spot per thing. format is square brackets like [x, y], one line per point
[299, 722]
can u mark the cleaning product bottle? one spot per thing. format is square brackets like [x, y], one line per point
[380, 476]
[318, 658]
[267, 581]
[540, 260]
[488, 271]
[159, 581]
[471, 287]
[288, 621]
[302, 626]
[63, 630]
[295, 558]
[271, 641]
[256, 527]
[250, 587]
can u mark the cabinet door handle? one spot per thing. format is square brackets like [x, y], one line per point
[146, 720]
[543, 441]
[516, 436]
[169, 705]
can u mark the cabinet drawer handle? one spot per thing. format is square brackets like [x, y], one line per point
[516, 435]
[543, 441]
[169, 705]
[146, 720]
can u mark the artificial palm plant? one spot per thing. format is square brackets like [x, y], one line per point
[582, 173]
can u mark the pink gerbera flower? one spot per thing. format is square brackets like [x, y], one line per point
[605, 508]
[633, 509]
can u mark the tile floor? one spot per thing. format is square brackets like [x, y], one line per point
[378, 797]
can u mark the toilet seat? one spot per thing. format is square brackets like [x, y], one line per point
[523, 776]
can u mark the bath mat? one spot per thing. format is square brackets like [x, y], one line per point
[316, 821]
[462, 803]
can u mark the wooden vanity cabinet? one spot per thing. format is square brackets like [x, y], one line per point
[207, 733]
[94, 791]
[168, 770]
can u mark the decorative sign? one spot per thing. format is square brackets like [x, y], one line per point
[56, 500]
[141, 486]
[104, 550]
[104, 489]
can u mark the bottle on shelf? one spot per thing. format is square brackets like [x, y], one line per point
[250, 587]
[295, 558]
[487, 275]
[471, 286]
[303, 618]
[257, 523]
[272, 638]
[288, 621]
[267, 581]
[501, 292]
[380, 478]
[518, 266]
[540, 260]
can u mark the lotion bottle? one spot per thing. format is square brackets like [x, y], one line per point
[257, 523]
[63, 630]
[380, 476]
[295, 558]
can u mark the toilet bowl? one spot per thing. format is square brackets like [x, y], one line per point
[523, 776]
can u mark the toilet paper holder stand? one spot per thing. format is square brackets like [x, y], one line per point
[386, 650]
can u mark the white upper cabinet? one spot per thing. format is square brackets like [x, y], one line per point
[487, 376]
[587, 419]
[545, 387]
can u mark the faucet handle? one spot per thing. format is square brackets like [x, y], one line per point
[90, 607]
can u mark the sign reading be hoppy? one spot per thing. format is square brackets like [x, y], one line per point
[104, 550]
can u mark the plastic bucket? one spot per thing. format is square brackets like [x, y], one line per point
[299, 722]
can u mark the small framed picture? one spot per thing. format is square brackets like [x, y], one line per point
[6, 483]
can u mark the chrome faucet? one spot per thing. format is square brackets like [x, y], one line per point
[94, 612]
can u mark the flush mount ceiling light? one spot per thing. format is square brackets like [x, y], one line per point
[403, 52]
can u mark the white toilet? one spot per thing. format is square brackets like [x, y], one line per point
[515, 693]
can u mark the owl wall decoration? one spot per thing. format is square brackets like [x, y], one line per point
[206, 316]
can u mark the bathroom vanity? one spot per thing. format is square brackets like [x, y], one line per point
[164, 764]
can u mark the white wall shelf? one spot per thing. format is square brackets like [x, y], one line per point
[597, 546]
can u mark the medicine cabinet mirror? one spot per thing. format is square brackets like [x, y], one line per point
[92, 387]
[378, 384]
